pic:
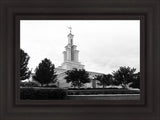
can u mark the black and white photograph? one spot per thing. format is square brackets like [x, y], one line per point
[79, 59]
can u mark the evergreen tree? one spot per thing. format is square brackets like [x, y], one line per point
[45, 72]
[24, 70]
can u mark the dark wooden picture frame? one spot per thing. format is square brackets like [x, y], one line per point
[147, 11]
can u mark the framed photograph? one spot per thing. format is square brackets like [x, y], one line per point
[106, 66]
[86, 60]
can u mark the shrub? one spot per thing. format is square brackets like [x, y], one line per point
[51, 85]
[59, 94]
[26, 93]
[42, 94]
[29, 84]
[101, 91]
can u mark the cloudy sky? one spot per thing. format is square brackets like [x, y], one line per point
[104, 45]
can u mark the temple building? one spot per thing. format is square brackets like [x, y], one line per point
[71, 60]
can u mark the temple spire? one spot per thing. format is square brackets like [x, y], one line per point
[71, 54]
[70, 36]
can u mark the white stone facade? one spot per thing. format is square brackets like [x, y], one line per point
[71, 60]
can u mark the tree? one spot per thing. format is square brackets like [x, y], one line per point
[77, 77]
[45, 72]
[136, 82]
[24, 70]
[104, 80]
[124, 75]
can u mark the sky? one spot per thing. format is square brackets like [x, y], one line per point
[104, 45]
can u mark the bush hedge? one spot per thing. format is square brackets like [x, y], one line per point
[29, 84]
[42, 94]
[94, 88]
[101, 91]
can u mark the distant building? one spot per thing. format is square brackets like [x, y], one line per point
[71, 60]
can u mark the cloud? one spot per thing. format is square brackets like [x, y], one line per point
[104, 45]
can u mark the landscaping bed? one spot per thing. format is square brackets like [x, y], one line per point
[42, 94]
[102, 91]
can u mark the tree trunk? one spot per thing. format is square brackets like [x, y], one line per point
[123, 86]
